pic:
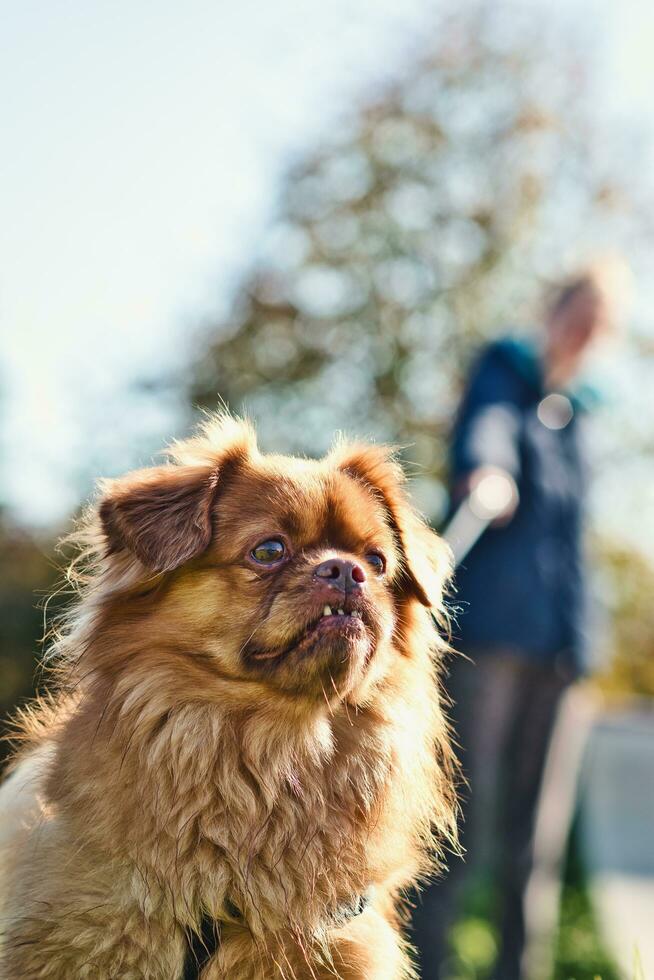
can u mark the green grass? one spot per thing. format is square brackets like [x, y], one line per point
[578, 954]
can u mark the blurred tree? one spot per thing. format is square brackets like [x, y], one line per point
[27, 576]
[433, 216]
[627, 586]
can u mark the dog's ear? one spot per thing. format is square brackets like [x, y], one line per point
[162, 515]
[426, 558]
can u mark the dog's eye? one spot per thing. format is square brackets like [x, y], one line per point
[269, 552]
[377, 562]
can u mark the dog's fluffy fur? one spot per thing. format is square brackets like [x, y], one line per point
[210, 752]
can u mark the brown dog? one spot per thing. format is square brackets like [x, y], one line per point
[247, 743]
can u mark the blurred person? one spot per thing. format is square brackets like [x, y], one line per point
[521, 593]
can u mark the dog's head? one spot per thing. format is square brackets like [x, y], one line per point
[299, 574]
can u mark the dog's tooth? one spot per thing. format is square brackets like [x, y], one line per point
[340, 612]
[327, 611]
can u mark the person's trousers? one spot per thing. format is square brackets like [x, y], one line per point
[503, 712]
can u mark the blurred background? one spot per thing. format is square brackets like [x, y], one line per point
[316, 212]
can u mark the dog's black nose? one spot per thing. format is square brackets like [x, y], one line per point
[341, 574]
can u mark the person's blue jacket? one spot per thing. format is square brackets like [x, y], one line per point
[521, 588]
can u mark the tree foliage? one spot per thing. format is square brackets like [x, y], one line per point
[27, 577]
[432, 216]
[627, 580]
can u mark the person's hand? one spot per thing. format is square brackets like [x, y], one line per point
[492, 495]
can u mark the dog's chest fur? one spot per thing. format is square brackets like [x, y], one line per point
[220, 815]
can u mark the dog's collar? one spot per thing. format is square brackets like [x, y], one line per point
[203, 943]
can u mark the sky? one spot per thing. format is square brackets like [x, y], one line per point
[145, 144]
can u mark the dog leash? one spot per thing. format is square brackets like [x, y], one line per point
[486, 501]
[203, 944]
